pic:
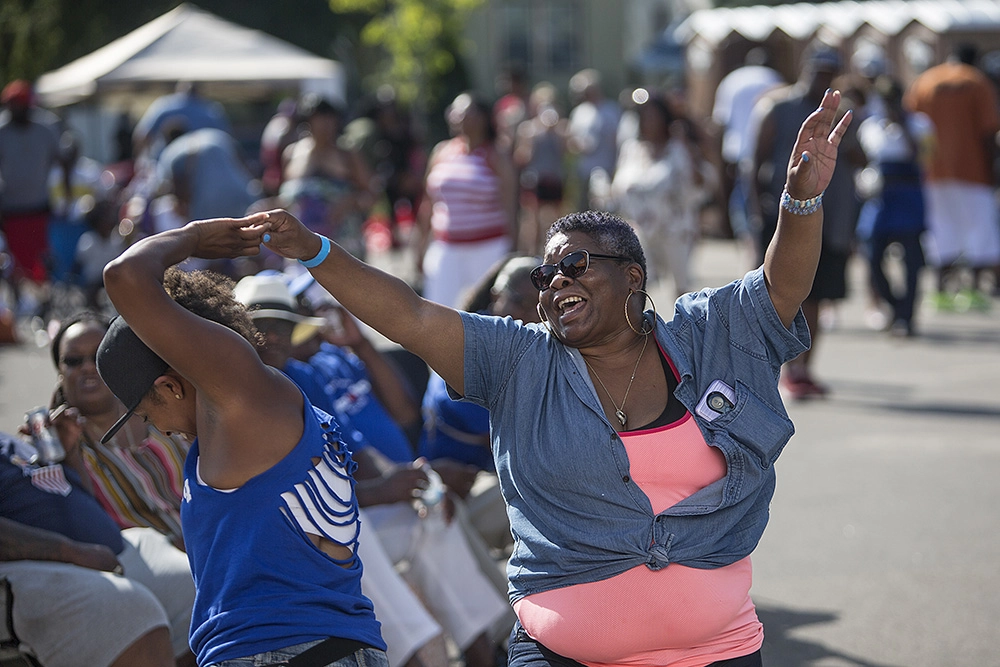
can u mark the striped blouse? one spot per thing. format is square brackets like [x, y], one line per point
[465, 190]
[139, 486]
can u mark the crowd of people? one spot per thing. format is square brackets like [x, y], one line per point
[365, 177]
[279, 445]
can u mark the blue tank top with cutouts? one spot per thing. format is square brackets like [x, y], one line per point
[261, 583]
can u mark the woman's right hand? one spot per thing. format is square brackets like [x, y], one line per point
[288, 237]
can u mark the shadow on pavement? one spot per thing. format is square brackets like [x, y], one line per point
[782, 649]
[895, 398]
[955, 334]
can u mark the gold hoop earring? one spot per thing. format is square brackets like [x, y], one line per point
[645, 331]
[541, 317]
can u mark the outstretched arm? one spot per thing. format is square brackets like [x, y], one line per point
[791, 258]
[387, 304]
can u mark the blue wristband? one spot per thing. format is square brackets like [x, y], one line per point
[323, 253]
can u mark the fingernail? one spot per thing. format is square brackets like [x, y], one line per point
[267, 238]
[828, 91]
[805, 157]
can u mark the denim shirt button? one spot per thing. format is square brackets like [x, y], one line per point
[626, 479]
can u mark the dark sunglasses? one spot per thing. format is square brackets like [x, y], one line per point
[76, 362]
[572, 266]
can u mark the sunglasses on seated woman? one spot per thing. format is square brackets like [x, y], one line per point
[572, 266]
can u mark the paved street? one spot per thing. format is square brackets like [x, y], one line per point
[883, 548]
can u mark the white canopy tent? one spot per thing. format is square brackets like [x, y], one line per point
[190, 44]
[230, 63]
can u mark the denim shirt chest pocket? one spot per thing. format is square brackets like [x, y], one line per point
[753, 424]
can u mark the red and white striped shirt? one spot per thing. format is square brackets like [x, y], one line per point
[465, 191]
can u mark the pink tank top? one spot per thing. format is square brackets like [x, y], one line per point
[678, 616]
[466, 195]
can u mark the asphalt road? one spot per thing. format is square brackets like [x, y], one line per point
[883, 548]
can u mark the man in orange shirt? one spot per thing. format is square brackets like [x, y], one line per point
[962, 213]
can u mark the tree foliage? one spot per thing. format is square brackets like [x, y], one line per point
[418, 41]
[30, 34]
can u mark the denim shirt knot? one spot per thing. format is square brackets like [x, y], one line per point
[659, 550]
[575, 514]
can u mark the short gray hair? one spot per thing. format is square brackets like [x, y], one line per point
[611, 234]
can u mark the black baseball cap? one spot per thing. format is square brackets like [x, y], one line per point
[128, 367]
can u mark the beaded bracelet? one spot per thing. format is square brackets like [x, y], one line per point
[800, 206]
[324, 252]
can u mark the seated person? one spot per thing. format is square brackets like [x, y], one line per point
[440, 563]
[461, 431]
[137, 476]
[371, 389]
[359, 384]
[86, 593]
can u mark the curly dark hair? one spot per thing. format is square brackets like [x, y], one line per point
[85, 316]
[210, 295]
[611, 233]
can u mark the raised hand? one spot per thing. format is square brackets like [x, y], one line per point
[348, 333]
[288, 237]
[814, 156]
[223, 238]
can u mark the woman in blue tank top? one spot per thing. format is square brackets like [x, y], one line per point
[269, 513]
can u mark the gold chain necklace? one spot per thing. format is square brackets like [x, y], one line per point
[620, 411]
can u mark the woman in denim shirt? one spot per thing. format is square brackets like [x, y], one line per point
[637, 475]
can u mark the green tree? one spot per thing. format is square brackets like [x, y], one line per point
[418, 42]
[30, 35]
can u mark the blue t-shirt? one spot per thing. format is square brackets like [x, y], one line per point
[308, 380]
[346, 382]
[51, 498]
[454, 429]
[192, 111]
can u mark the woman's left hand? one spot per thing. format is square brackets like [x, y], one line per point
[814, 157]
[223, 238]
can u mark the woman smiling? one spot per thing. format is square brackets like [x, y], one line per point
[634, 453]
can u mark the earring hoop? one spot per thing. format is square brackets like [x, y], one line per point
[541, 318]
[177, 396]
[645, 331]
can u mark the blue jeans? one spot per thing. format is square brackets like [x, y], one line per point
[523, 651]
[902, 302]
[368, 657]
